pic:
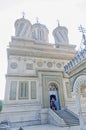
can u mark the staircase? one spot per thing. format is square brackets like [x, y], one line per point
[69, 118]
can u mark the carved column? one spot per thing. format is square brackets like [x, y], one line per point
[76, 96]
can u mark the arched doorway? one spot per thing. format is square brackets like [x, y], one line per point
[54, 97]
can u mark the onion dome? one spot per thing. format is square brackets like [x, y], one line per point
[60, 34]
[22, 28]
[40, 32]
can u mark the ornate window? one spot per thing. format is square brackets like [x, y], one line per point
[23, 90]
[13, 90]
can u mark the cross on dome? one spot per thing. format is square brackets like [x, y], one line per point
[82, 29]
[37, 19]
[58, 22]
[23, 14]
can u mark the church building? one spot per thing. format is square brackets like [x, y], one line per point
[35, 75]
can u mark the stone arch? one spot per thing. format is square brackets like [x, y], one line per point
[54, 82]
[81, 80]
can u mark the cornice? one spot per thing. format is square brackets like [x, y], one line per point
[40, 54]
[77, 68]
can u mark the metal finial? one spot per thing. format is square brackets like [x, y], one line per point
[83, 31]
[23, 14]
[58, 22]
[37, 20]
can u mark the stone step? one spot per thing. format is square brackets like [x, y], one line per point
[69, 118]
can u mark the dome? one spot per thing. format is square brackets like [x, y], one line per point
[39, 25]
[60, 28]
[60, 34]
[22, 28]
[40, 32]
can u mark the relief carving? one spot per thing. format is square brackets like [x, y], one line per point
[39, 64]
[58, 65]
[29, 66]
[13, 65]
[49, 64]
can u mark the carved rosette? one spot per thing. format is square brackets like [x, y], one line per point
[13, 65]
[39, 64]
[58, 65]
[49, 64]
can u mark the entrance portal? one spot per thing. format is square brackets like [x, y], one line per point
[54, 97]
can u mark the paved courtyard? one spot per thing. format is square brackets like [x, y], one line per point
[48, 127]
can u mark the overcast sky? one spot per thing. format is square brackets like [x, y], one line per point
[70, 13]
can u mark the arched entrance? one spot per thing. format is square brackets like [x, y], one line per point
[54, 97]
[79, 85]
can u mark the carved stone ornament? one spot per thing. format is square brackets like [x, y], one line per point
[49, 64]
[29, 66]
[40, 64]
[13, 65]
[58, 65]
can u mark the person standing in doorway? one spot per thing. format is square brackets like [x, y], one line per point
[57, 104]
[52, 104]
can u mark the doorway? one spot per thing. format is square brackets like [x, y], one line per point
[54, 97]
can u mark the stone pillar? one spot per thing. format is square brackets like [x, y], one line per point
[76, 96]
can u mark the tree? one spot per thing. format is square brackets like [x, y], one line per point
[1, 105]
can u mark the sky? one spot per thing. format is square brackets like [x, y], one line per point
[70, 13]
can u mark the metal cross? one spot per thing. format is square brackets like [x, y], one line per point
[82, 29]
[58, 22]
[37, 19]
[23, 14]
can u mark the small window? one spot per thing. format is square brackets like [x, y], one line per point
[23, 90]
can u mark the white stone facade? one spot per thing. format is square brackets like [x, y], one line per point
[33, 65]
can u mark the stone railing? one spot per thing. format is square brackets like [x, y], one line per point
[77, 59]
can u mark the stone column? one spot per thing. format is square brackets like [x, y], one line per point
[76, 96]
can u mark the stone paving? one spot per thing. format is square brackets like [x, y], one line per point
[48, 127]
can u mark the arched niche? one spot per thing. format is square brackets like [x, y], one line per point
[79, 82]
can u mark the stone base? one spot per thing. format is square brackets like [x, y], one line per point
[21, 115]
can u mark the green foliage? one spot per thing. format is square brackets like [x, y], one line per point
[1, 105]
